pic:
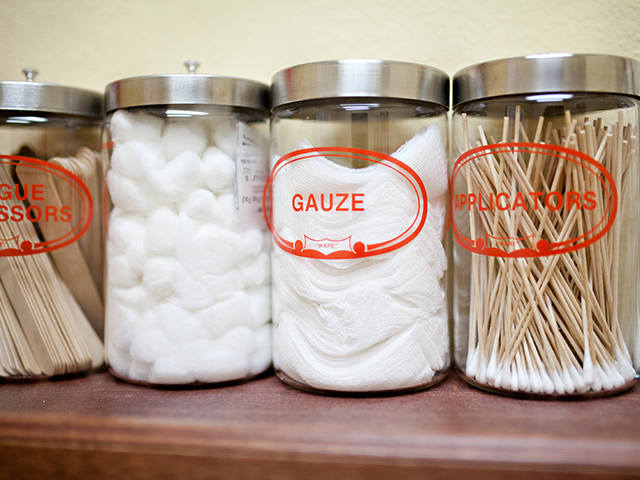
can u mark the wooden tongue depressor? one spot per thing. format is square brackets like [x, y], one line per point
[69, 260]
[85, 165]
[46, 283]
[10, 364]
[17, 337]
[33, 330]
[9, 356]
[55, 330]
[25, 284]
[89, 335]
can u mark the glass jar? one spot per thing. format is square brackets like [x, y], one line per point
[188, 271]
[545, 224]
[51, 309]
[357, 205]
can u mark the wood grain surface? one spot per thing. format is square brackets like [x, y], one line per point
[100, 427]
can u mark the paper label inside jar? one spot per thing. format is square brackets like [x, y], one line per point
[319, 208]
[251, 175]
[530, 200]
[35, 194]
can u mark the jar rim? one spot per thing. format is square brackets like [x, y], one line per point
[31, 96]
[359, 78]
[547, 73]
[186, 89]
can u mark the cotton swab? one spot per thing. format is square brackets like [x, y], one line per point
[551, 323]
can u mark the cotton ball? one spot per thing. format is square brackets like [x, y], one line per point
[178, 324]
[131, 195]
[228, 204]
[121, 323]
[136, 256]
[139, 371]
[219, 170]
[225, 137]
[119, 361]
[181, 137]
[126, 126]
[166, 371]
[202, 205]
[215, 250]
[257, 270]
[261, 356]
[137, 298]
[210, 364]
[190, 355]
[190, 293]
[222, 366]
[158, 274]
[149, 345]
[239, 339]
[223, 315]
[187, 227]
[134, 159]
[161, 232]
[260, 304]
[223, 285]
[124, 230]
[120, 273]
[146, 322]
[178, 177]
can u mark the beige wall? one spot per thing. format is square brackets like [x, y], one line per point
[90, 43]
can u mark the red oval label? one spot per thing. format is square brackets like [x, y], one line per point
[334, 201]
[529, 200]
[30, 195]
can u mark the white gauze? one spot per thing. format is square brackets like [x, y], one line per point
[363, 324]
[188, 293]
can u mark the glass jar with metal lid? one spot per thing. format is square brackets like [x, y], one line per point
[356, 202]
[545, 185]
[51, 309]
[188, 270]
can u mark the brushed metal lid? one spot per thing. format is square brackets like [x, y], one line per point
[360, 78]
[548, 73]
[186, 89]
[31, 96]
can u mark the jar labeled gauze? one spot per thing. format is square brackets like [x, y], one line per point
[358, 205]
[546, 222]
[188, 280]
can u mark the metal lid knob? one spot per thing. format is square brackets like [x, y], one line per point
[192, 66]
[30, 73]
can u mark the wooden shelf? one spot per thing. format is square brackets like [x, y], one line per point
[99, 427]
